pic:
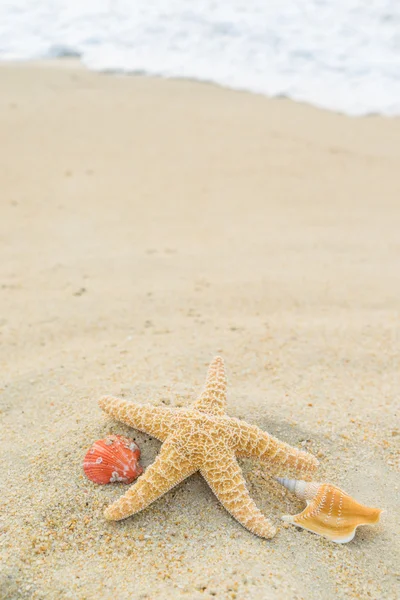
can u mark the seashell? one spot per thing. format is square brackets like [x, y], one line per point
[115, 458]
[330, 512]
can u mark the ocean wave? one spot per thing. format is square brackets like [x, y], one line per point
[343, 55]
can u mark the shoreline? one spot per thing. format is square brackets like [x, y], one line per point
[75, 63]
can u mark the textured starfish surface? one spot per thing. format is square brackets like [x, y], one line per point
[203, 438]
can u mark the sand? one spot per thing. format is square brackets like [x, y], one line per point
[146, 226]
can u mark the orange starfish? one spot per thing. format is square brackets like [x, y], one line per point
[202, 438]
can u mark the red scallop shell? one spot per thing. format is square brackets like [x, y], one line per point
[116, 458]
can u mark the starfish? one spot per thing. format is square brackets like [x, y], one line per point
[202, 438]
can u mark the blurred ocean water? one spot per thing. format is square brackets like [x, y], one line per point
[343, 55]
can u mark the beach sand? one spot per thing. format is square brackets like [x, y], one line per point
[145, 226]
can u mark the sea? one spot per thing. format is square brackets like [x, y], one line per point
[342, 55]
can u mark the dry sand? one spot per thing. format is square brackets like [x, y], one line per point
[145, 226]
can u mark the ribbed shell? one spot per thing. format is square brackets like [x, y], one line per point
[115, 458]
[334, 514]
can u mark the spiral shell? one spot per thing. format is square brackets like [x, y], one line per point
[115, 458]
[305, 490]
[330, 512]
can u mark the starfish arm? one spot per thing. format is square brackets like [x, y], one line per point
[212, 400]
[170, 468]
[226, 480]
[157, 421]
[252, 442]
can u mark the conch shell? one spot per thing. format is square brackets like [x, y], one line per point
[330, 512]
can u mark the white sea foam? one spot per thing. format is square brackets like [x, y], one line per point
[343, 55]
